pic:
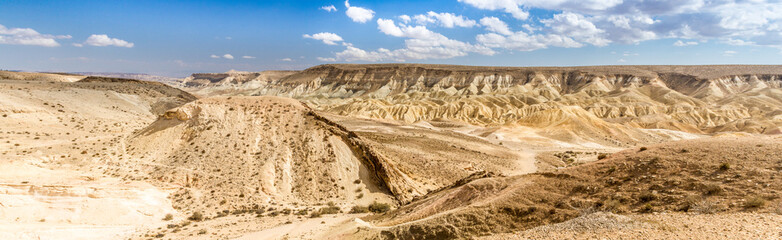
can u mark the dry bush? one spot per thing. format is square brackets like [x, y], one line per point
[359, 209]
[755, 202]
[377, 207]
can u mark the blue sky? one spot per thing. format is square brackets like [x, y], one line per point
[176, 38]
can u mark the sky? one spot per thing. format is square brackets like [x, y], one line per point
[177, 38]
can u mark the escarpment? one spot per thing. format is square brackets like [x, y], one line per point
[696, 99]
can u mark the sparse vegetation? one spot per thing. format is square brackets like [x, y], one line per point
[196, 216]
[168, 217]
[712, 189]
[724, 166]
[359, 209]
[755, 202]
[602, 156]
[377, 207]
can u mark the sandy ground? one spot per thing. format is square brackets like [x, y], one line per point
[659, 226]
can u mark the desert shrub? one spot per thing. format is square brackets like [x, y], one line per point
[647, 197]
[357, 181]
[646, 208]
[602, 156]
[302, 212]
[359, 209]
[315, 214]
[642, 149]
[360, 195]
[712, 189]
[168, 217]
[329, 210]
[202, 232]
[196, 216]
[724, 166]
[755, 202]
[377, 207]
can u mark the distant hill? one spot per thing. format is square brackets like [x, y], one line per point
[138, 76]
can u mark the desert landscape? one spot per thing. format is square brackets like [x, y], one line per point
[386, 120]
[395, 151]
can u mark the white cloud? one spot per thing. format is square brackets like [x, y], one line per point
[447, 20]
[741, 22]
[286, 60]
[496, 25]
[405, 19]
[226, 56]
[248, 57]
[28, 36]
[322, 59]
[681, 43]
[78, 45]
[577, 27]
[329, 8]
[359, 14]
[521, 41]
[103, 40]
[387, 26]
[326, 37]
[420, 43]
[509, 6]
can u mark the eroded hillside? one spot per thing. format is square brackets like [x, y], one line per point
[716, 175]
[693, 99]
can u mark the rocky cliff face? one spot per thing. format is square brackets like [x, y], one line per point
[698, 99]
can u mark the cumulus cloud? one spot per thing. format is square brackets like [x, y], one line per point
[576, 26]
[750, 22]
[286, 60]
[103, 40]
[420, 43]
[248, 57]
[681, 43]
[329, 8]
[405, 19]
[326, 37]
[214, 56]
[388, 27]
[508, 6]
[359, 14]
[447, 20]
[496, 25]
[28, 36]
